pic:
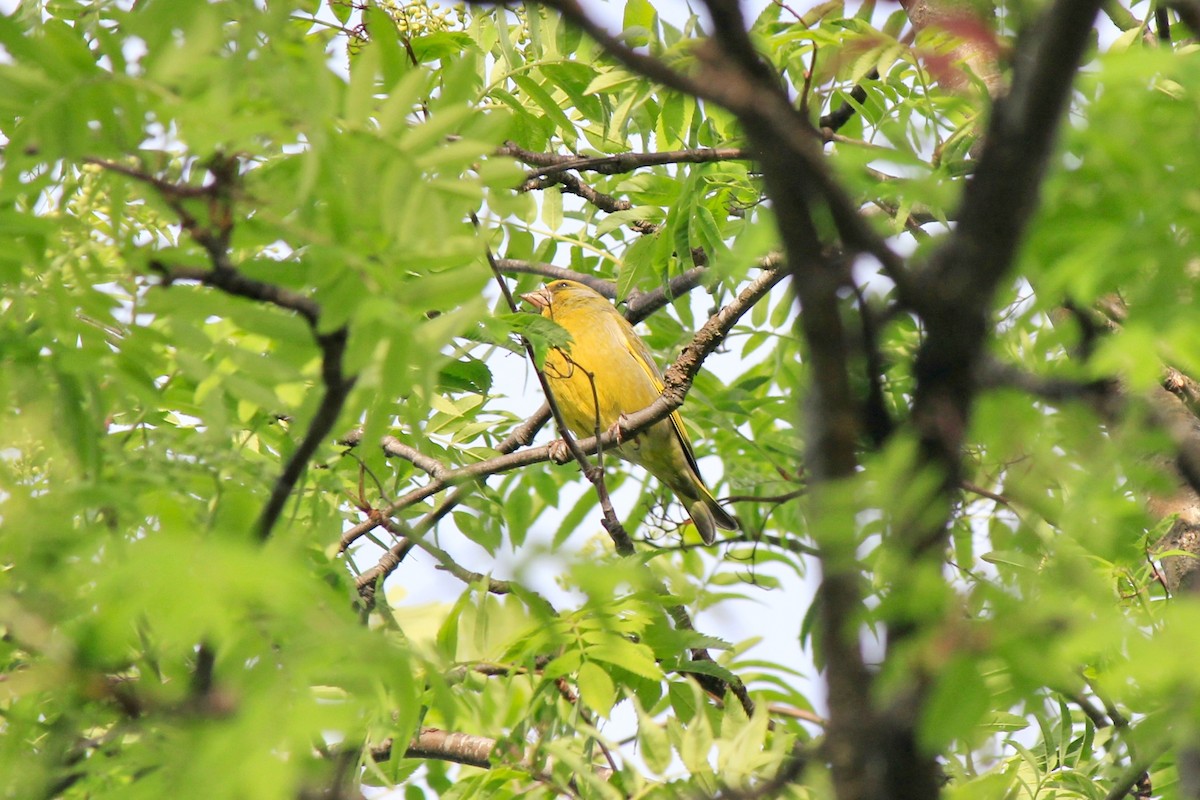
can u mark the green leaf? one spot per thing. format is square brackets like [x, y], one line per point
[596, 688]
[549, 106]
[704, 233]
[956, 705]
[653, 744]
[696, 745]
[625, 654]
[702, 667]
[542, 332]
[575, 517]
[441, 44]
[619, 219]
[638, 22]
[467, 375]
[683, 700]
[552, 209]
[518, 513]
[610, 80]
[638, 271]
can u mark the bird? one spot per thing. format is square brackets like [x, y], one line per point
[609, 372]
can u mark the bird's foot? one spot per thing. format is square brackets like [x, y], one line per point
[559, 452]
[615, 428]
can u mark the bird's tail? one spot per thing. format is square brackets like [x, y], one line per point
[707, 514]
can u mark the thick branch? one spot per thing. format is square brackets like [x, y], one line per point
[958, 289]
[976, 49]
[461, 748]
[1189, 12]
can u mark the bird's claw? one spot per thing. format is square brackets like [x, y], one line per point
[615, 428]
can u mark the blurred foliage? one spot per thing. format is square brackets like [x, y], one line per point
[153, 647]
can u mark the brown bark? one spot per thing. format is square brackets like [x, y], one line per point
[1181, 573]
[977, 50]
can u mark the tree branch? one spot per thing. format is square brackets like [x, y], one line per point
[705, 341]
[638, 305]
[337, 388]
[572, 184]
[464, 748]
[834, 120]
[954, 297]
[958, 287]
[517, 266]
[164, 187]
[214, 238]
[368, 580]
[521, 436]
[237, 284]
[461, 748]
[394, 447]
[550, 164]
[1103, 394]
[1189, 13]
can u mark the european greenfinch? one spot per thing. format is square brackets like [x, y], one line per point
[609, 372]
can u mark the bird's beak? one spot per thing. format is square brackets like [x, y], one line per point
[539, 299]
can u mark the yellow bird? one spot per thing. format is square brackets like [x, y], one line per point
[609, 363]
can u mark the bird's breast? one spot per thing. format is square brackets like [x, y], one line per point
[598, 379]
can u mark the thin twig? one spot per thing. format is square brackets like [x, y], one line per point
[967, 486]
[549, 164]
[612, 524]
[519, 437]
[638, 305]
[572, 184]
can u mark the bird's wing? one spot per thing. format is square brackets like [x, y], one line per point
[645, 359]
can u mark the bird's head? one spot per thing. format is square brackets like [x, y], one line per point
[563, 294]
